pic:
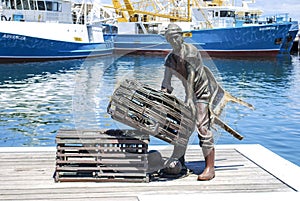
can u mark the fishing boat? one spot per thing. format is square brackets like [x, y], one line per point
[216, 27]
[33, 30]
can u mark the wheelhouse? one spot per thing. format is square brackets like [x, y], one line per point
[36, 10]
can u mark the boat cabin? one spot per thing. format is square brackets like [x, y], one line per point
[36, 10]
[224, 16]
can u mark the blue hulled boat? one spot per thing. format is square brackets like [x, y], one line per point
[264, 40]
[32, 30]
[216, 27]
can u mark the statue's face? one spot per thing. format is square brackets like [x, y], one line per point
[175, 40]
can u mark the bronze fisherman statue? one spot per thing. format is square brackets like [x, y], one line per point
[185, 62]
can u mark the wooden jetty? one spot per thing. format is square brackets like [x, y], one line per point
[242, 172]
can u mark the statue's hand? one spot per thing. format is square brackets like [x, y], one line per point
[164, 90]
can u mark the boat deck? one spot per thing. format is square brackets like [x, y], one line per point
[242, 172]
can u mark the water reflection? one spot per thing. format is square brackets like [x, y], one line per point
[35, 100]
[260, 82]
[271, 86]
[90, 94]
[96, 83]
[24, 71]
[39, 98]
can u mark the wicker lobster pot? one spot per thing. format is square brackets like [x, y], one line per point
[151, 111]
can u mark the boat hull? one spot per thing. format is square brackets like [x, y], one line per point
[16, 47]
[141, 43]
[263, 40]
[289, 39]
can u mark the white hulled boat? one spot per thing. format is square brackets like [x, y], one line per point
[51, 29]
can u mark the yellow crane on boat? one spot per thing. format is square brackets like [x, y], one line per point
[150, 9]
[173, 10]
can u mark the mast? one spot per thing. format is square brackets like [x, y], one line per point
[189, 11]
[131, 10]
[117, 6]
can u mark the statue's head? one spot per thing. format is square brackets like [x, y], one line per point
[174, 34]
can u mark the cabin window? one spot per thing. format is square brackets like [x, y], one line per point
[11, 4]
[55, 6]
[226, 13]
[216, 14]
[59, 7]
[33, 5]
[106, 30]
[48, 5]
[19, 5]
[26, 5]
[41, 5]
[210, 14]
[114, 29]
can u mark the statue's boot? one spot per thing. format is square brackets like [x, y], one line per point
[209, 171]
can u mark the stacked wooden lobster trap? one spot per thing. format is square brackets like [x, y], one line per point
[101, 156]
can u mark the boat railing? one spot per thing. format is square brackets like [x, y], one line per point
[255, 20]
[223, 22]
[35, 16]
[276, 18]
[239, 22]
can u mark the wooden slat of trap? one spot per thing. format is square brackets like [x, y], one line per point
[130, 171]
[109, 155]
[128, 134]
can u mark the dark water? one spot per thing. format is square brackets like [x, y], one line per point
[37, 99]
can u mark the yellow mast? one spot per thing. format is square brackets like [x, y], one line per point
[129, 7]
[131, 10]
[119, 11]
[189, 11]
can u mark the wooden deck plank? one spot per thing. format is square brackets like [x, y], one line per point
[26, 174]
[285, 171]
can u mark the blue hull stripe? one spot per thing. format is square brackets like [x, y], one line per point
[17, 46]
